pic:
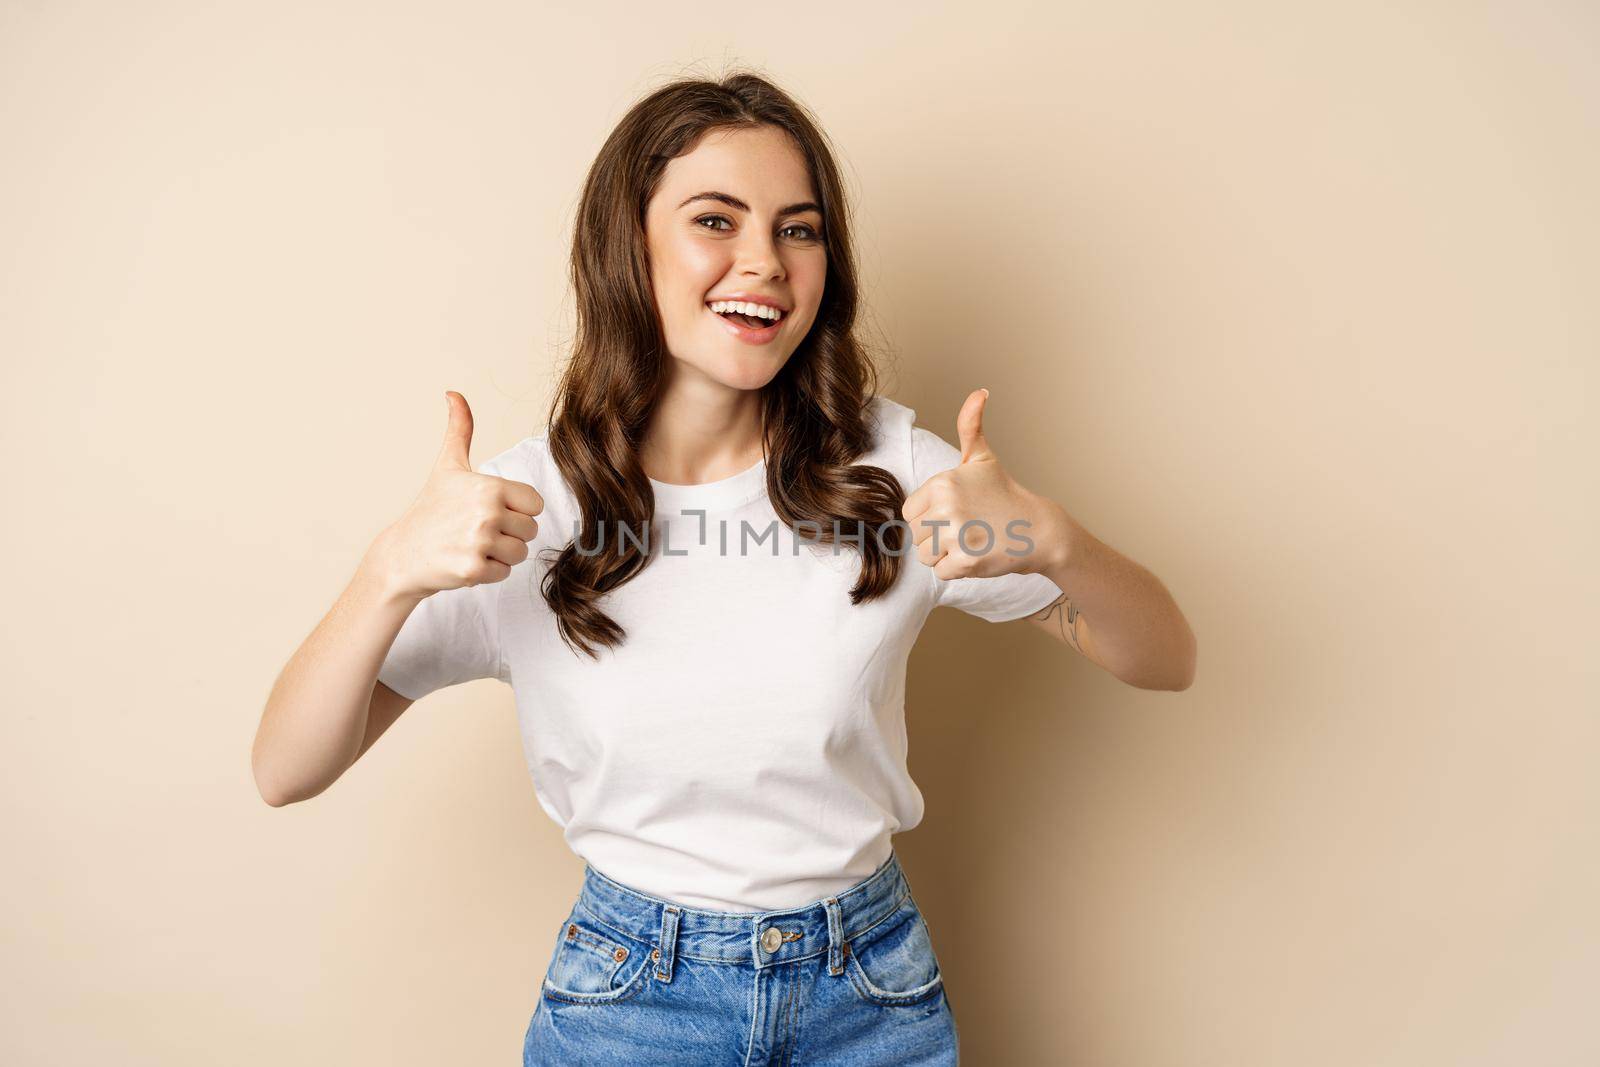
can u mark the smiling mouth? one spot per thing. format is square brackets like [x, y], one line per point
[749, 322]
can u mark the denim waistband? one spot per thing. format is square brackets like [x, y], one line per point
[744, 937]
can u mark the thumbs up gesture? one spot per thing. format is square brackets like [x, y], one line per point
[1008, 529]
[464, 528]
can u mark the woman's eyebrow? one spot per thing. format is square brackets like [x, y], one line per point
[734, 202]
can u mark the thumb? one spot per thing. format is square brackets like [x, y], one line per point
[969, 424]
[457, 435]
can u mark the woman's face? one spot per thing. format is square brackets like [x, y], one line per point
[736, 215]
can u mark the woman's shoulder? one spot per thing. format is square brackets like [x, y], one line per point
[913, 453]
[892, 419]
[528, 461]
[520, 457]
[893, 438]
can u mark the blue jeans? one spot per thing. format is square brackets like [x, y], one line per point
[848, 981]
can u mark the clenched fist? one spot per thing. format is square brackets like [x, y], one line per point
[464, 528]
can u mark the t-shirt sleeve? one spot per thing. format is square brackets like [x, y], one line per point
[999, 599]
[451, 636]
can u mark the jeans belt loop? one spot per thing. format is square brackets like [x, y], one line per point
[835, 936]
[669, 942]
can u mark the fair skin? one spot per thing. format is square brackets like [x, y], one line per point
[707, 423]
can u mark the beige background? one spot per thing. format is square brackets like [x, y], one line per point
[1294, 304]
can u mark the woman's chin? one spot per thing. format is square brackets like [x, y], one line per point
[750, 374]
[747, 371]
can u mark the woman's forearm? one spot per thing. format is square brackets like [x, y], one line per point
[1140, 634]
[315, 718]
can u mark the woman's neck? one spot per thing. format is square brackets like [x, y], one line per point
[704, 437]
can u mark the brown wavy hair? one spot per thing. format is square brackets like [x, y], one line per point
[813, 412]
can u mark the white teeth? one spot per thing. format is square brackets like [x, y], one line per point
[745, 308]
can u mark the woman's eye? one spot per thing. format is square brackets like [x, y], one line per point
[806, 232]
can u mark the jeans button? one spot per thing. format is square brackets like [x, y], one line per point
[771, 939]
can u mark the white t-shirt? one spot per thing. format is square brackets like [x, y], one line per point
[744, 748]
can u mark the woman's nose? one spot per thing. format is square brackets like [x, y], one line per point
[758, 254]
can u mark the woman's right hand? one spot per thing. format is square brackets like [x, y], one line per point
[464, 528]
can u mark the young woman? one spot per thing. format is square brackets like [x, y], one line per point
[703, 582]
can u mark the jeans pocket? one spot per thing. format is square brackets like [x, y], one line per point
[591, 965]
[893, 963]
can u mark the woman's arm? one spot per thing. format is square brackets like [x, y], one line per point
[327, 706]
[1113, 611]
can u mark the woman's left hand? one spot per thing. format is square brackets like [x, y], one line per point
[1008, 528]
